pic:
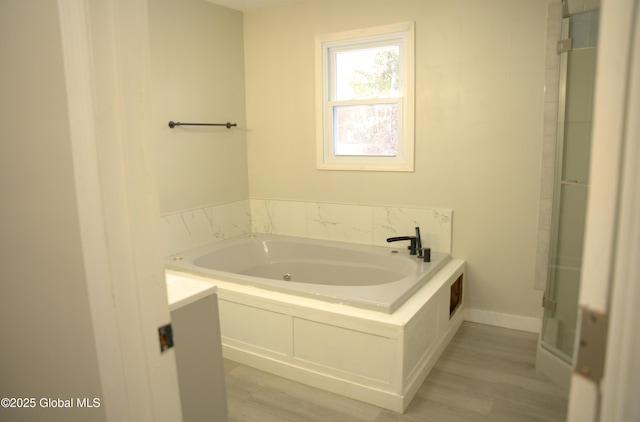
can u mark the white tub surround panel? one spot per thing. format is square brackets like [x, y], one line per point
[364, 224]
[193, 228]
[370, 356]
[258, 332]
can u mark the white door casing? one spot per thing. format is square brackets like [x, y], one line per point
[611, 255]
[105, 47]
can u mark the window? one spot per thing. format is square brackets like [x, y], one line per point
[365, 93]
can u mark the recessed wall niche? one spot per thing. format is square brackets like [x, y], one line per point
[455, 297]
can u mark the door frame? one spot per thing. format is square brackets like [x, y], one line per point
[612, 239]
[105, 49]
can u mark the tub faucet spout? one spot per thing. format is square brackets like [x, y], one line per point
[413, 239]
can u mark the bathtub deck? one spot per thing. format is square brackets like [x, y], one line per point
[485, 374]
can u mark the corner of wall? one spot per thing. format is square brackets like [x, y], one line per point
[197, 227]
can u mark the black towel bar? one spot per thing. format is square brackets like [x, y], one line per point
[228, 125]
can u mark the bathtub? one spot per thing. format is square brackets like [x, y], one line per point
[365, 322]
[367, 277]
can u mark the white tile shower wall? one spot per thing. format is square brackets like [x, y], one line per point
[352, 223]
[193, 228]
[549, 140]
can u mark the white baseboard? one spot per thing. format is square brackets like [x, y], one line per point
[516, 322]
[553, 367]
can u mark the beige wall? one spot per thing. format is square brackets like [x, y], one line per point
[479, 113]
[47, 346]
[197, 67]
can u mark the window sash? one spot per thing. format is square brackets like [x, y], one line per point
[327, 47]
[331, 128]
[332, 53]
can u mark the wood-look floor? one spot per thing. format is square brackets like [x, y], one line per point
[485, 374]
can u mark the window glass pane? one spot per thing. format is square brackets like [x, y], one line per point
[366, 130]
[367, 73]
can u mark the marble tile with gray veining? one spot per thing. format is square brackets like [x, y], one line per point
[175, 235]
[435, 225]
[288, 218]
[187, 230]
[340, 222]
[193, 228]
[231, 220]
[261, 221]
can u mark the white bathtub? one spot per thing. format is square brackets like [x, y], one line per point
[368, 277]
[375, 338]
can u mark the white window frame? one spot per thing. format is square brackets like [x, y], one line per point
[403, 35]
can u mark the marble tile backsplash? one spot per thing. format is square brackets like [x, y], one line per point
[363, 224]
[353, 223]
[193, 228]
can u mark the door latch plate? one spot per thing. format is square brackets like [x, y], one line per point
[592, 345]
[165, 334]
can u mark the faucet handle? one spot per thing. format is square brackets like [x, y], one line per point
[413, 247]
[418, 242]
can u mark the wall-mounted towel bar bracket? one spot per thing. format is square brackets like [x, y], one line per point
[228, 125]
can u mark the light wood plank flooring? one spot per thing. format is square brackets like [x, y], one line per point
[485, 374]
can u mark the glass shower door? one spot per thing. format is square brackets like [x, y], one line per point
[571, 185]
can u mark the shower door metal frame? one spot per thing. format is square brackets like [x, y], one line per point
[548, 295]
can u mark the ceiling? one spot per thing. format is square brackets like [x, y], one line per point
[246, 5]
[571, 6]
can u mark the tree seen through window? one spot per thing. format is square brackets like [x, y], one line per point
[370, 75]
